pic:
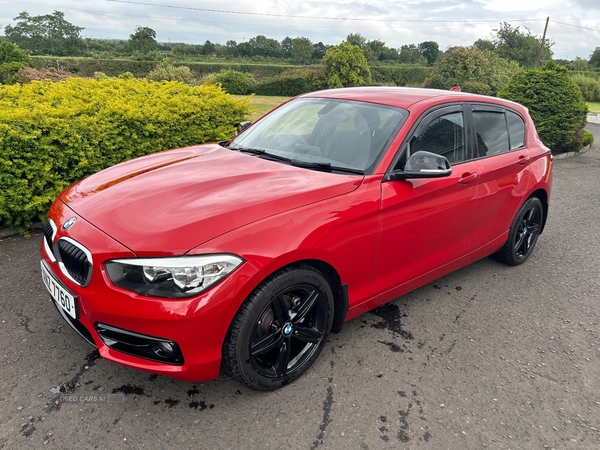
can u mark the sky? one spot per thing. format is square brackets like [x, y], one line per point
[574, 25]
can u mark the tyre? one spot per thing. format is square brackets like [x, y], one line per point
[523, 234]
[280, 329]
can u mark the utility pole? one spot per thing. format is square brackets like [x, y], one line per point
[539, 58]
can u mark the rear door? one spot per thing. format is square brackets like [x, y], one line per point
[502, 163]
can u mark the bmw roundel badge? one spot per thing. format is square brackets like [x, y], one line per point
[69, 223]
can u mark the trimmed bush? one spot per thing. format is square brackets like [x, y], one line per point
[166, 71]
[233, 81]
[53, 134]
[29, 74]
[555, 103]
[293, 82]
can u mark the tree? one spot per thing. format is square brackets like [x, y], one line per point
[12, 58]
[302, 50]
[520, 46]
[595, 58]
[555, 102]
[579, 64]
[410, 54]
[286, 47]
[485, 45]
[346, 65]
[208, 48]
[430, 50]
[319, 50]
[356, 39]
[143, 40]
[485, 72]
[263, 46]
[375, 50]
[231, 49]
[48, 34]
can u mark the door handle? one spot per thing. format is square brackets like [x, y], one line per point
[523, 160]
[468, 177]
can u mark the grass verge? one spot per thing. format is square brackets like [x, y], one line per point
[262, 104]
[594, 107]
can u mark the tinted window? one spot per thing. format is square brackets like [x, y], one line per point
[516, 130]
[492, 134]
[445, 136]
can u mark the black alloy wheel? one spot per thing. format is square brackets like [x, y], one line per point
[280, 330]
[524, 233]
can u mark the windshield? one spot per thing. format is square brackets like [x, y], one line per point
[342, 133]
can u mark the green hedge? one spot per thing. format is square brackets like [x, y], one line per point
[401, 75]
[292, 82]
[53, 134]
[86, 67]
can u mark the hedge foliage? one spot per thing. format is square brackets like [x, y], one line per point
[86, 67]
[293, 82]
[401, 75]
[555, 103]
[53, 134]
[590, 87]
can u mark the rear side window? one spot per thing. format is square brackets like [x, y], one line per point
[516, 130]
[492, 133]
[497, 131]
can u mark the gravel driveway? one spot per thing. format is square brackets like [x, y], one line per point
[488, 357]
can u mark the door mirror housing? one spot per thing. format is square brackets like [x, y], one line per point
[423, 165]
[242, 126]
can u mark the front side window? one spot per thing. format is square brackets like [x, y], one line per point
[444, 135]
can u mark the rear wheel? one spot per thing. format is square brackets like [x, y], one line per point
[280, 329]
[523, 234]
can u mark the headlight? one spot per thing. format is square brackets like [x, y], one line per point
[171, 277]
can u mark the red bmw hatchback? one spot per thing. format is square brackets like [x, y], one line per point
[248, 253]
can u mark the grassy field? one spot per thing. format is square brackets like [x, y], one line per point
[594, 107]
[262, 104]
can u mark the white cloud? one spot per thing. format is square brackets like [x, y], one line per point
[448, 22]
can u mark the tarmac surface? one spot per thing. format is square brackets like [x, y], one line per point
[490, 357]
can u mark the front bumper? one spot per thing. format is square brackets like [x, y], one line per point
[196, 326]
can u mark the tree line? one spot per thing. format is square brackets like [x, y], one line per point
[52, 34]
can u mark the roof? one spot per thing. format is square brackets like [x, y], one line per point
[402, 97]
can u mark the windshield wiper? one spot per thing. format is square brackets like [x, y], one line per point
[261, 153]
[325, 167]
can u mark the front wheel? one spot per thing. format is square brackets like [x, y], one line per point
[280, 329]
[523, 234]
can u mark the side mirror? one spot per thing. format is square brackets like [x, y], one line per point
[242, 126]
[423, 165]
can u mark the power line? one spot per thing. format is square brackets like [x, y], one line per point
[576, 26]
[193, 8]
[424, 24]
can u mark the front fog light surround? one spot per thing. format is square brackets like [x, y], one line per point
[171, 277]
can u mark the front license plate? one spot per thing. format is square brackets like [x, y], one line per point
[62, 297]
